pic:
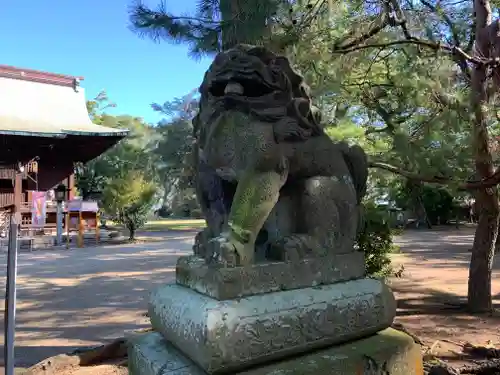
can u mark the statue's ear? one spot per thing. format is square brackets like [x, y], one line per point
[219, 58]
[283, 64]
[265, 55]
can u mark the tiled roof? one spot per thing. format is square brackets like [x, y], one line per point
[43, 104]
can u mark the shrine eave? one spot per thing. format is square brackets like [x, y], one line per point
[62, 134]
[39, 104]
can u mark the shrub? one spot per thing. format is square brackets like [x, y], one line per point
[375, 240]
[128, 200]
[164, 212]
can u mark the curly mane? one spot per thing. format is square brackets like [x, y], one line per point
[288, 107]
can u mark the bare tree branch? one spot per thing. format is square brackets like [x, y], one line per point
[492, 180]
[454, 50]
[436, 9]
[373, 130]
[460, 59]
[381, 23]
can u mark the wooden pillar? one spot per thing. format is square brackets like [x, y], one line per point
[97, 233]
[67, 218]
[71, 186]
[80, 229]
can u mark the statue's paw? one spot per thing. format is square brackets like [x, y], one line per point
[289, 248]
[294, 248]
[221, 251]
[200, 243]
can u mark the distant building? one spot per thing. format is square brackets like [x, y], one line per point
[44, 130]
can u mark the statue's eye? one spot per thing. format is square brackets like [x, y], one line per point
[217, 88]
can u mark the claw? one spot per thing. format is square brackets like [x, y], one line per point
[222, 251]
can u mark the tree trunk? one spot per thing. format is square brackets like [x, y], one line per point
[167, 190]
[246, 21]
[131, 232]
[483, 250]
[418, 203]
[230, 12]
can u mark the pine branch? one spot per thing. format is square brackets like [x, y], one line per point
[200, 33]
[393, 16]
[459, 59]
[380, 25]
[488, 182]
[453, 50]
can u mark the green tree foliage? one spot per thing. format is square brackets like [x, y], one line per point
[441, 35]
[133, 153]
[400, 77]
[124, 178]
[439, 205]
[161, 153]
[174, 151]
[128, 199]
[404, 103]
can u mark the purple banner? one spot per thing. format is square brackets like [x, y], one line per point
[38, 209]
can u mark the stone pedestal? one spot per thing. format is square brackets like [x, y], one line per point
[386, 352]
[273, 318]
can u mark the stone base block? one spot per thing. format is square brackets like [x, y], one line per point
[228, 335]
[224, 283]
[387, 352]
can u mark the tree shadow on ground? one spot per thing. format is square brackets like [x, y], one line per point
[434, 302]
[439, 248]
[436, 315]
[431, 294]
[83, 297]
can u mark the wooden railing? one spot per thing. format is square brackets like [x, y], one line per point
[26, 206]
[6, 173]
[9, 173]
[6, 199]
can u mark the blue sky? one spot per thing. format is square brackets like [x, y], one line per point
[90, 38]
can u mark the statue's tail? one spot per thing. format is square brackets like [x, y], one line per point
[357, 162]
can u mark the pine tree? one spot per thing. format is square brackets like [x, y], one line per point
[405, 82]
[217, 24]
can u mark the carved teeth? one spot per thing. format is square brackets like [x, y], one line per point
[226, 173]
[234, 88]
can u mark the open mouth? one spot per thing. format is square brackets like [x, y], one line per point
[241, 87]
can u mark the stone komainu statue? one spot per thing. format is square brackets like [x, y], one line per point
[272, 185]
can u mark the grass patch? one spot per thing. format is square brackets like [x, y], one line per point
[163, 225]
[173, 224]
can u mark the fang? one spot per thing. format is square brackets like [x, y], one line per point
[233, 88]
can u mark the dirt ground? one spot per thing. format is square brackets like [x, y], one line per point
[73, 299]
[433, 284]
[432, 289]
